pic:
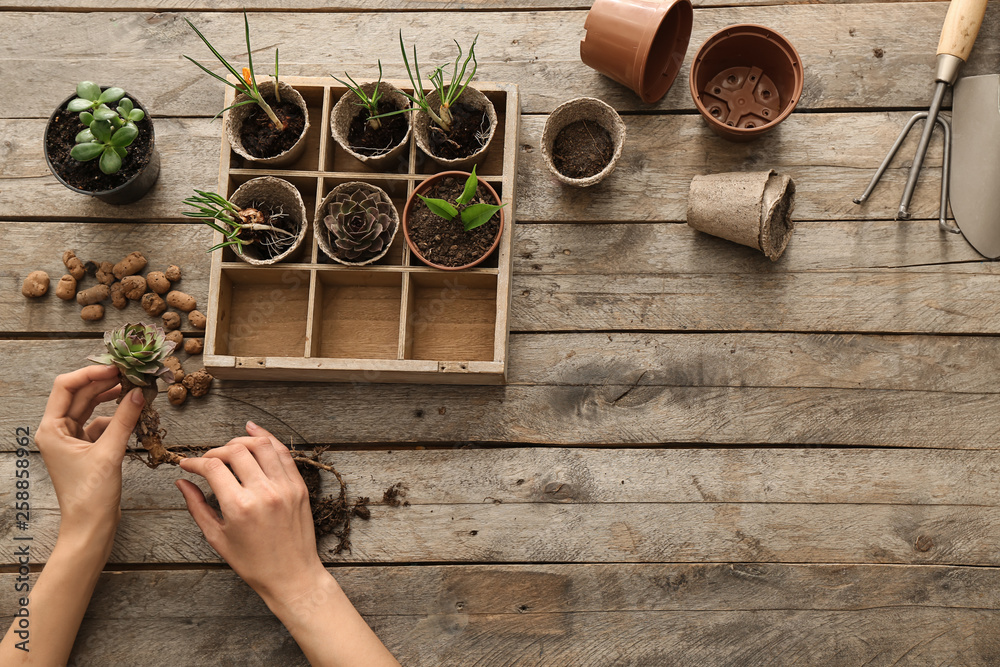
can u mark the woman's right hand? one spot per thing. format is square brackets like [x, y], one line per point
[266, 531]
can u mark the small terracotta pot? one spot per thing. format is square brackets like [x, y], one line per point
[129, 191]
[235, 118]
[422, 189]
[745, 79]
[274, 192]
[592, 110]
[347, 108]
[323, 237]
[421, 128]
[638, 43]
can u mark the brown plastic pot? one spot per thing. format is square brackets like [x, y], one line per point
[426, 185]
[745, 79]
[638, 43]
[129, 191]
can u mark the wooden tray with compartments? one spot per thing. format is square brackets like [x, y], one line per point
[397, 320]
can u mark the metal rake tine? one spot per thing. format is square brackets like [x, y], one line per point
[890, 156]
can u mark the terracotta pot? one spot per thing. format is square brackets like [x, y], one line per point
[422, 189]
[745, 79]
[421, 128]
[235, 118]
[274, 192]
[347, 108]
[638, 43]
[323, 237]
[129, 191]
[588, 109]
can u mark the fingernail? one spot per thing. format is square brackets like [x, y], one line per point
[137, 397]
[250, 424]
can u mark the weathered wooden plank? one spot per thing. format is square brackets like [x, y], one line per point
[854, 55]
[631, 639]
[662, 154]
[650, 184]
[345, 5]
[680, 279]
[612, 476]
[614, 406]
[410, 606]
[588, 533]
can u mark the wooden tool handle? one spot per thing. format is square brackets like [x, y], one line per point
[961, 26]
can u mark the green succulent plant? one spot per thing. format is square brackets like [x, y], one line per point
[361, 224]
[108, 131]
[472, 216]
[138, 350]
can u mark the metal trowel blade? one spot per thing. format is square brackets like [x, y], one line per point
[975, 168]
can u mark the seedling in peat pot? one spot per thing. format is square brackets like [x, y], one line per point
[247, 81]
[241, 226]
[472, 216]
[108, 131]
[369, 102]
[447, 94]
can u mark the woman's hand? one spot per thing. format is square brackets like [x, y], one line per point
[85, 460]
[266, 533]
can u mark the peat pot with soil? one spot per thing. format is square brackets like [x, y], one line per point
[263, 222]
[266, 123]
[582, 141]
[453, 220]
[100, 142]
[371, 122]
[356, 223]
[455, 123]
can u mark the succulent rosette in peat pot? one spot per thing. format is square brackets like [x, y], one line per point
[356, 223]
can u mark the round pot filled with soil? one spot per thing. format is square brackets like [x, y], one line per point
[254, 137]
[582, 141]
[638, 43]
[140, 167]
[275, 203]
[474, 120]
[356, 223]
[379, 142]
[443, 243]
[745, 79]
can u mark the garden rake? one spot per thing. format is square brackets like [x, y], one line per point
[961, 25]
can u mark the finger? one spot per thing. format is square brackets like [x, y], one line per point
[83, 400]
[119, 429]
[67, 384]
[108, 395]
[215, 472]
[201, 512]
[237, 454]
[284, 456]
[96, 428]
[267, 457]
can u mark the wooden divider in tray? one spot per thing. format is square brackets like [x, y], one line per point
[397, 320]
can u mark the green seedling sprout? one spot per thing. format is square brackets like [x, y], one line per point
[212, 207]
[447, 94]
[108, 131]
[369, 102]
[471, 216]
[247, 82]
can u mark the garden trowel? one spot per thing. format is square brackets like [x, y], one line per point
[975, 170]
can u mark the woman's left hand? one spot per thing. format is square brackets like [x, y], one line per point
[85, 460]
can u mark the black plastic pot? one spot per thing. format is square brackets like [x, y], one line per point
[132, 189]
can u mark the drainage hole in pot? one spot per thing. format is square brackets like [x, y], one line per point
[766, 94]
[766, 112]
[715, 111]
[730, 123]
[717, 90]
[750, 126]
[753, 78]
[731, 79]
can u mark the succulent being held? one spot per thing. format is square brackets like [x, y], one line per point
[362, 225]
[138, 350]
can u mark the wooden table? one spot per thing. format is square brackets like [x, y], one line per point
[701, 457]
